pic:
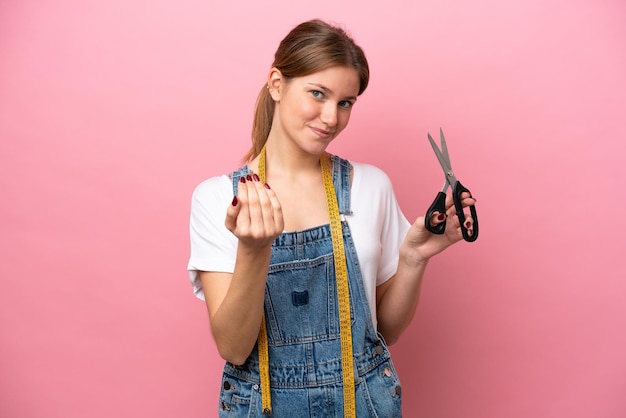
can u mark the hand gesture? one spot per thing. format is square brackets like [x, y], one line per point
[420, 244]
[255, 215]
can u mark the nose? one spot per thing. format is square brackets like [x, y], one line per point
[329, 114]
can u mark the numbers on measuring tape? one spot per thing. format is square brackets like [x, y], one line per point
[262, 344]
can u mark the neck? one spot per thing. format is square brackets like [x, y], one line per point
[289, 162]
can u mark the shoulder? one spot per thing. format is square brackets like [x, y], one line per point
[369, 176]
[213, 190]
[213, 185]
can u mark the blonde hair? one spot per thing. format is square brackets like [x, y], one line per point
[309, 47]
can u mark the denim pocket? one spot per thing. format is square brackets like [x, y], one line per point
[300, 301]
[238, 398]
[380, 393]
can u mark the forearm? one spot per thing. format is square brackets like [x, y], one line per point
[235, 324]
[398, 298]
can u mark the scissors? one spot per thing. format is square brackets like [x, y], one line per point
[439, 205]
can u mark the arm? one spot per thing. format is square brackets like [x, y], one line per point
[397, 298]
[235, 301]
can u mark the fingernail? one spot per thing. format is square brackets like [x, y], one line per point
[468, 224]
[267, 186]
[249, 177]
[441, 216]
[242, 179]
[470, 231]
[235, 200]
[255, 177]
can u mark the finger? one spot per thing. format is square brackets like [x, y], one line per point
[263, 211]
[449, 201]
[437, 218]
[243, 216]
[255, 204]
[231, 214]
[453, 229]
[467, 200]
[454, 222]
[277, 211]
[469, 225]
[450, 208]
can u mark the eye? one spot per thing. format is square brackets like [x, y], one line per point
[317, 94]
[345, 104]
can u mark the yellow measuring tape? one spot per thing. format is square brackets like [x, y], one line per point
[264, 363]
[343, 296]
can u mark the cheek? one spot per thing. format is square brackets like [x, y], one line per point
[342, 122]
[344, 118]
[308, 109]
[296, 112]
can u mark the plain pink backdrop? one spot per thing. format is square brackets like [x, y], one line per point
[112, 112]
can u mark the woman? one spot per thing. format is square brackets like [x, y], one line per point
[306, 262]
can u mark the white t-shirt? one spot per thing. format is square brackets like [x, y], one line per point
[377, 224]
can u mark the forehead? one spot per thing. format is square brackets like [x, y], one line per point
[343, 81]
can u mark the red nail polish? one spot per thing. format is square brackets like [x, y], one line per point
[441, 216]
[242, 179]
[249, 177]
[267, 186]
[255, 177]
[235, 200]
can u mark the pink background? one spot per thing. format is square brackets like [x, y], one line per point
[112, 112]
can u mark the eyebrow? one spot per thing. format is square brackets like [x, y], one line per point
[329, 91]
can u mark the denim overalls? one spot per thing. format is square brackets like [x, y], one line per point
[303, 331]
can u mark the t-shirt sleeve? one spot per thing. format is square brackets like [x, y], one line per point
[213, 246]
[379, 224]
[394, 229]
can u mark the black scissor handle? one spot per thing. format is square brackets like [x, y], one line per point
[439, 205]
[457, 189]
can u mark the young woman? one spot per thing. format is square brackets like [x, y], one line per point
[306, 263]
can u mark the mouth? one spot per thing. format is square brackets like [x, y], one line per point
[322, 133]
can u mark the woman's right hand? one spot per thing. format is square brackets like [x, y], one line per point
[255, 215]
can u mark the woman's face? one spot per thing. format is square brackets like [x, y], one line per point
[312, 110]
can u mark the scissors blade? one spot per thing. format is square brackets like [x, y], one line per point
[443, 160]
[444, 149]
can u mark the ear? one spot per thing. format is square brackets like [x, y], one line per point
[275, 83]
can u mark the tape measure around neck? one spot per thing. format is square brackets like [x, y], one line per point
[343, 297]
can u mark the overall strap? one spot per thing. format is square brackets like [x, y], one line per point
[236, 175]
[342, 169]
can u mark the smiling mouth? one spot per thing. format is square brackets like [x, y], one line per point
[322, 132]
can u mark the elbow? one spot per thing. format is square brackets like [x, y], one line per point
[233, 347]
[391, 339]
[390, 336]
[234, 354]
[233, 358]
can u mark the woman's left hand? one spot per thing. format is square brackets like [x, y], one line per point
[420, 244]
